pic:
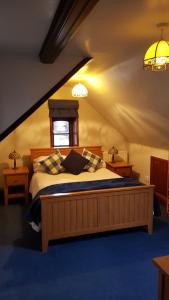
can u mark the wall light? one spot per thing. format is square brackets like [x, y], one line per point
[157, 55]
[79, 90]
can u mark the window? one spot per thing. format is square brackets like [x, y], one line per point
[61, 133]
[64, 132]
[63, 122]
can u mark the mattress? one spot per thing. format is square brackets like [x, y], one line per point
[42, 180]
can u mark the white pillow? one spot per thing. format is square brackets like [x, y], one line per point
[37, 167]
[102, 164]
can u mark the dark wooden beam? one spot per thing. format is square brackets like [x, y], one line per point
[68, 16]
[44, 98]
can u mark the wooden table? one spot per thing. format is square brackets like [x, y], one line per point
[163, 280]
[13, 178]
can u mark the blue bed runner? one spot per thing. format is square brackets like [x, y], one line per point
[34, 211]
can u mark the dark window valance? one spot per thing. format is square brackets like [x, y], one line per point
[63, 108]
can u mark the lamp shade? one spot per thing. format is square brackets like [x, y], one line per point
[113, 151]
[79, 90]
[157, 56]
[14, 155]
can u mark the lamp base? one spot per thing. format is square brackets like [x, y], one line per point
[112, 160]
[14, 164]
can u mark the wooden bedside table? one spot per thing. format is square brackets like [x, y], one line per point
[162, 263]
[121, 168]
[15, 177]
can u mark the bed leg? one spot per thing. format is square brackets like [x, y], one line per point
[150, 228]
[44, 223]
[44, 244]
[150, 215]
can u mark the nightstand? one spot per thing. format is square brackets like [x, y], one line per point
[13, 178]
[121, 168]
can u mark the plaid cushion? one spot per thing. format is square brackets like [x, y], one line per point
[52, 164]
[94, 160]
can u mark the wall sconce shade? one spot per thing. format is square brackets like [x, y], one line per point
[79, 90]
[157, 55]
[14, 155]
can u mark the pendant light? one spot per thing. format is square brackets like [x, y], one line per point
[79, 90]
[157, 55]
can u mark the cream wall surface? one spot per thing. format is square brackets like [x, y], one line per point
[35, 132]
[94, 129]
[140, 158]
[135, 102]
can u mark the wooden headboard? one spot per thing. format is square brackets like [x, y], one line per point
[159, 177]
[36, 152]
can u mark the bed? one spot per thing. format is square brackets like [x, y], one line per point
[91, 211]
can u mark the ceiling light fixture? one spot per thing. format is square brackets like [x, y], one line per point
[157, 55]
[79, 90]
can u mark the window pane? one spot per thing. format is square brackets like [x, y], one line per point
[61, 140]
[60, 127]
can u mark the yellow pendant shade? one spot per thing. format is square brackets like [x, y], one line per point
[157, 56]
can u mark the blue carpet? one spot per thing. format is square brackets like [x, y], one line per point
[114, 266]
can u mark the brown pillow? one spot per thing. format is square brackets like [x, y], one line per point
[74, 162]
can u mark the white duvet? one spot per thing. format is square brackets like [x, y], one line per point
[41, 180]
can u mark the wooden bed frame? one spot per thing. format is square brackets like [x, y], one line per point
[80, 213]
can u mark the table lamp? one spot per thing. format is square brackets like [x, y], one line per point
[14, 155]
[113, 150]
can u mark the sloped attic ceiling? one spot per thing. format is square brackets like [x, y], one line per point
[25, 80]
[116, 34]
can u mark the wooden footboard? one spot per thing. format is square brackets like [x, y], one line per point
[80, 213]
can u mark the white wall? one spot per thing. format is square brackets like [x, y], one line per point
[139, 156]
[94, 129]
[35, 132]
[135, 102]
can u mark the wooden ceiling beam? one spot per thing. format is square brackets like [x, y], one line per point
[68, 17]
